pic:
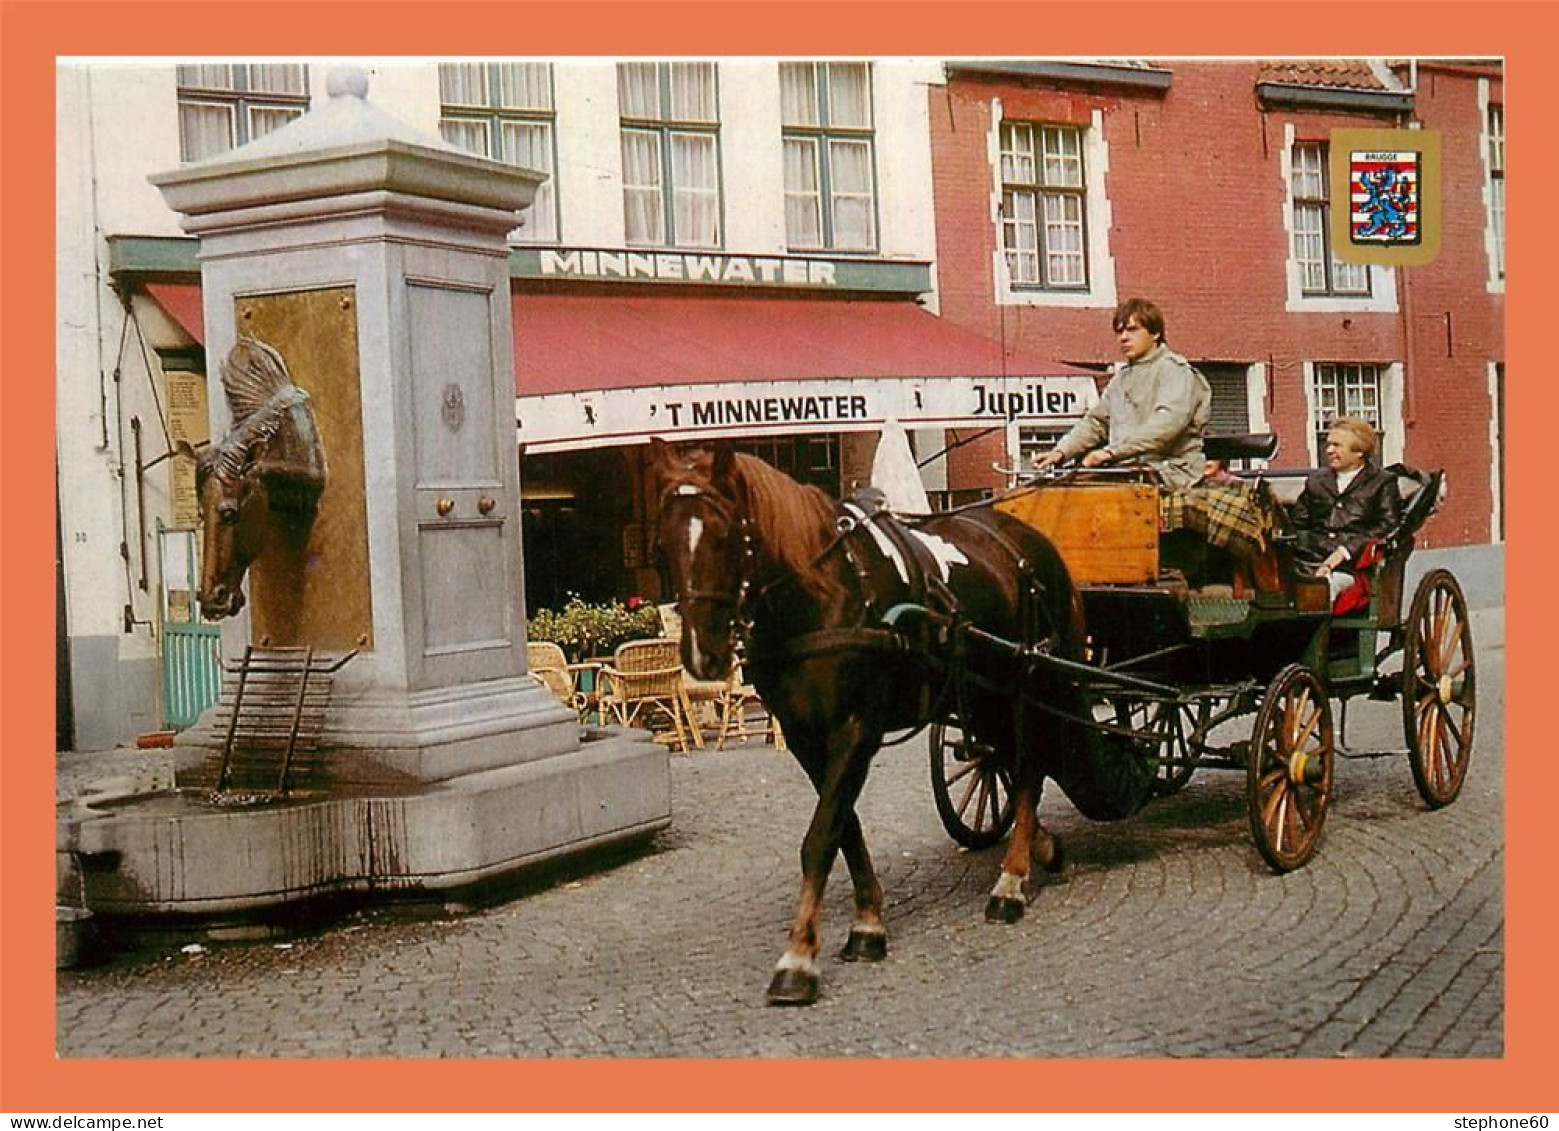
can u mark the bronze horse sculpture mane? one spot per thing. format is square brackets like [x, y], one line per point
[857, 625]
[259, 487]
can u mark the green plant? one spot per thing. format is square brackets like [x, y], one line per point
[585, 631]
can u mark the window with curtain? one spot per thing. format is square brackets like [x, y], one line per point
[1044, 206]
[1496, 133]
[1345, 389]
[670, 119]
[1320, 273]
[830, 176]
[225, 105]
[505, 111]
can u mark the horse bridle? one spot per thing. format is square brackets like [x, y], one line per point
[740, 598]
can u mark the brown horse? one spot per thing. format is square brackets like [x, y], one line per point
[856, 626]
[259, 487]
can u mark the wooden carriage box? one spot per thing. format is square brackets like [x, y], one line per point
[1105, 532]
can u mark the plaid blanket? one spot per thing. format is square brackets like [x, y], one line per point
[1237, 516]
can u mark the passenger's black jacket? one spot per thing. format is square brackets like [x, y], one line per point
[1325, 520]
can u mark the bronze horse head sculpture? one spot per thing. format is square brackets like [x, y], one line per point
[259, 486]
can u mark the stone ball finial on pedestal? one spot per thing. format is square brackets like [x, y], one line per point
[349, 81]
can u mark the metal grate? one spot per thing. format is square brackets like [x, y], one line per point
[272, 711]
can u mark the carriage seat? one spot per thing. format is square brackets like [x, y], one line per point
[1240, 445]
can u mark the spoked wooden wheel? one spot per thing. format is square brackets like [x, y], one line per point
[1439, 691]
[1289, 775]
[973, 796]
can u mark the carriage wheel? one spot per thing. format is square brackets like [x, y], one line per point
[1174, 722]
[1289, 775]
[1170, 723]
[973, 796]
[1439, 691]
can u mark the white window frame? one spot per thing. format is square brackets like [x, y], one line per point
[1100, 293]
[1053, 430]
[667, 128]
[1039, 189]
[823, 134]
[241, 102]
[1494, 229]
[1389, 399]
[542, 221]
[1256, 391]
[1383, 280]
[1497, 455]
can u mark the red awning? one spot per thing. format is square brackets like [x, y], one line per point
[182, 302]
[566, 343]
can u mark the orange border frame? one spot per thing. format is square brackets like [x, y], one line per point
[35, 32]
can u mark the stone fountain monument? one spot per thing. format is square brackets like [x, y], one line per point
[373, 261]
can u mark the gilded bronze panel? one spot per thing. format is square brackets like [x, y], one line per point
[330, 605]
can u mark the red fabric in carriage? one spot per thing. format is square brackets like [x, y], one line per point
[1357, 595]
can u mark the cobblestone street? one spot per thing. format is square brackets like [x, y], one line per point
[1168, 937]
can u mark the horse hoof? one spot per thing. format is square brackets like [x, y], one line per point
[1000, 909]
[865, 946]
[793, 987]
[1057, 859]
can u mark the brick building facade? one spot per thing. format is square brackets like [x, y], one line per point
[916, 240]
[1188, 183]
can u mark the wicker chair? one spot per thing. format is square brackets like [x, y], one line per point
[734, 701]
[704, 696]
[643, 685]
[725, 701]
[550, 668]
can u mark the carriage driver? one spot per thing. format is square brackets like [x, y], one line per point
[1153, 411]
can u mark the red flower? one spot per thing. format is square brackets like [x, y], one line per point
[635, 603]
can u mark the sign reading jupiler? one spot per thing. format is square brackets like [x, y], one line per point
[564, 421]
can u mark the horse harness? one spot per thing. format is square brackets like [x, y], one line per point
[927, 623]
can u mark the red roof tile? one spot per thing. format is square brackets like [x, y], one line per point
[1346, 74]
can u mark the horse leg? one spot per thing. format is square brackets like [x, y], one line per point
[796, 980]
[1030, 842]
[1007, 897]
[868, 941]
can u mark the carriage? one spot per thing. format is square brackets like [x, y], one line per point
[1173, 671]
[1041, 638]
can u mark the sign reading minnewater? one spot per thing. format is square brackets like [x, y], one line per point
[790, 272]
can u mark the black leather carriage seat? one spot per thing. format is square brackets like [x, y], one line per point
[1422, 492]
[1240, 445]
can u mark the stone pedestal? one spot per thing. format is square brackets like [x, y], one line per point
[375, 261]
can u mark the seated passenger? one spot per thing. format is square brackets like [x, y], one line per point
[1343, 506]
[1152, 412]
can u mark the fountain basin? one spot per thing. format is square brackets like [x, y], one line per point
[176, 853]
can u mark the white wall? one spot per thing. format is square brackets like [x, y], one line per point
[589, 156]
[902, 114]
[97, 158]
[751, 158]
